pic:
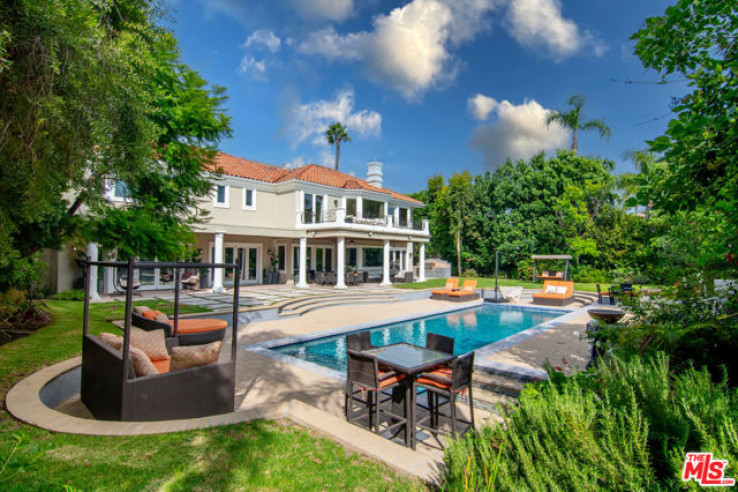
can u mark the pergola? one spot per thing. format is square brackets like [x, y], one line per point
[535, 259]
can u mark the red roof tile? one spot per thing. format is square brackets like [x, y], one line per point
[312, 173]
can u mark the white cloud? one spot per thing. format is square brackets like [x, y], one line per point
[480, 106]
[323, 10]
[408, 49]
[263, 37]
[519, 132]
[540, 26]
[310, 120]
[253, 68]
[310, 10]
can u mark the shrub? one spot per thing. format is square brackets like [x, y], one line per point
[19, 314]
[624, 425]
[690, 328]
[470, 272]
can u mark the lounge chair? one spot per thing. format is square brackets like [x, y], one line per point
[511, 294]
[440, 294]
[555, 293]
[466, 293]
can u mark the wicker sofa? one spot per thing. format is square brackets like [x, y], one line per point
[189, 331]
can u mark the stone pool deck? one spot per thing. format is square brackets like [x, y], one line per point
[270, 388]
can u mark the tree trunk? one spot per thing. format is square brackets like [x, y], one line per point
[338, 152]
[574, 143]
[458, 251]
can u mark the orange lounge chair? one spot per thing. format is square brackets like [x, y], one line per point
[466, 293]
[555, 293]
[451, 285]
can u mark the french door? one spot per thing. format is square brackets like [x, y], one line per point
[249, 257]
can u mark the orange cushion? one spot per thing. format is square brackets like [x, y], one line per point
[188, 326]
[391, 380]
[433, 382]
[162, 365]
[440, 292]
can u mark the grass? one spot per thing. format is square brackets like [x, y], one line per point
[489, 283]
[251, 456]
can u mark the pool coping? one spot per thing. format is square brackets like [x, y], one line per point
[513, 371]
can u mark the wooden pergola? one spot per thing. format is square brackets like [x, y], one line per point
[535, 259]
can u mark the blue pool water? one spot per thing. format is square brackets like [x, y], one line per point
[470, 328]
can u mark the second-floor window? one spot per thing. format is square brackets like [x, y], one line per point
[249, 199]
[312, 210]
[351, 207]
[373, 209]
[403, 217]
[221, 196]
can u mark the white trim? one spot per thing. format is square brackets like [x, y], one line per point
[218, 204]
[244, 192]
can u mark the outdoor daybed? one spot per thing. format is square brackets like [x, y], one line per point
[111, 389]
[555, 293]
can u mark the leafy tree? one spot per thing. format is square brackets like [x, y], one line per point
[335, 134]
[460, 197]
[94, 92]
[696, 39]
[573, 119]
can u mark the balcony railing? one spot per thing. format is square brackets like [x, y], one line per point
[338, 217]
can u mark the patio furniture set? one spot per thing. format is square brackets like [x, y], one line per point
[384, 382]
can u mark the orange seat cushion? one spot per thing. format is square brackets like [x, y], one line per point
[433, 382]
[391, 380]
[162, 365]
[189, 326]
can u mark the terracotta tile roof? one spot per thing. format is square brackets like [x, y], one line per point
[312, 173]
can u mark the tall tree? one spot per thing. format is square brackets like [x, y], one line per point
[573, 119]
[460, 198]
[696, 40]
[335, 134]
[94, 92]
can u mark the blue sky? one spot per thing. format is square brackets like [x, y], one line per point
[424, 86]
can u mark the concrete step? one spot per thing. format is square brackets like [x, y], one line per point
[298, 303]
[319, 303]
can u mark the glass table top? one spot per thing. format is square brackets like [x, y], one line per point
[409, 358]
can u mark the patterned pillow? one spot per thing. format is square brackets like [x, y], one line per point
[194, 355]
[141, 309]
[150, 343]
[151, 314]
[142, 365]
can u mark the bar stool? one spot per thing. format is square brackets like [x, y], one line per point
[365, 378]
[441, 383]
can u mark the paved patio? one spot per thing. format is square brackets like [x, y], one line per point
[270, 388]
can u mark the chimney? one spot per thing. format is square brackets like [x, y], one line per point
[374, 174]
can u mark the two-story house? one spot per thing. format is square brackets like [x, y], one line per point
[282, 224]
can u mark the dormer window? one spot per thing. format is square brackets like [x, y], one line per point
[221, 196]
[249, 199]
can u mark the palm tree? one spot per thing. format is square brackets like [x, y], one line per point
[335, 134]
[573, 119]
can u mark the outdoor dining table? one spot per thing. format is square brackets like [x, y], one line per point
[411, 361]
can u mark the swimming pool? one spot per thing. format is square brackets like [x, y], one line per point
[471, 329]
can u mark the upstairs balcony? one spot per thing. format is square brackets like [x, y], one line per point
[339, 220]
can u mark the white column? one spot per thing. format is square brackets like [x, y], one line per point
[359, 207]
[303, 263]
[341, 266]
[93, 254]
[218, 273]
[324, 209]
[409, 257]
[421, 263]
[386, 264]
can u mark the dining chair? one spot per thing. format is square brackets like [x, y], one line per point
[364, 385]
[440, 383]
[359, 341]
[440, 343]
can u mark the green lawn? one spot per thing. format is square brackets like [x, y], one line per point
[489, 283]
[255, 456]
